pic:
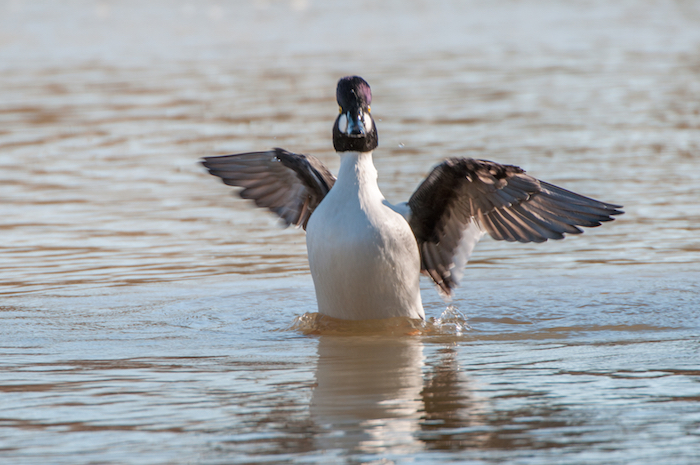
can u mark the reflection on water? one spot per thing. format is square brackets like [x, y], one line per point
[145, 311]
[375, 395]
[454, 418]
[367, 398]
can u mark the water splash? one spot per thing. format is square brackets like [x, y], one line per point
[451, 322]
[316, 323]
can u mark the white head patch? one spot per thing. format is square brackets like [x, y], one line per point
[367, 121]
[343, 123]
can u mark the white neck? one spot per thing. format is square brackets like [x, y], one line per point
[357, 173]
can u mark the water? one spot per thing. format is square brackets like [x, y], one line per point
[150, 317]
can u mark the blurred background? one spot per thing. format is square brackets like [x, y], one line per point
[107, 106]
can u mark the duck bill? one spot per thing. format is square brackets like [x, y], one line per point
[356, 128]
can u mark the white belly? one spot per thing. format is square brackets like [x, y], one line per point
[364, 260]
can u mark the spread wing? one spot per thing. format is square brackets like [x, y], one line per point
[286, 183]
[462, 198]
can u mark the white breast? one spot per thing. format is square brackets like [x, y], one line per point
[363, 255]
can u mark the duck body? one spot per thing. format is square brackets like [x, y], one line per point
[366, 255]
[363, 255]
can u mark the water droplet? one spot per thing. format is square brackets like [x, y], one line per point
[452, 321]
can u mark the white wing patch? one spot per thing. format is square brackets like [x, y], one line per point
[470, 236]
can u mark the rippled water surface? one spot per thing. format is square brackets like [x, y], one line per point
[148, 316]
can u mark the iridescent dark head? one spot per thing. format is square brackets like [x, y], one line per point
[354, 129]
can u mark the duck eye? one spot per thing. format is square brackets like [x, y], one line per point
[369, 109]
[340, 109]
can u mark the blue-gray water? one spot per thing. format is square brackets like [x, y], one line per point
[148, 316]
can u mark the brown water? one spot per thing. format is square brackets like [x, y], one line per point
[146, 312]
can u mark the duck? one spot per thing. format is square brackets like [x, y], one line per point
[366, 255]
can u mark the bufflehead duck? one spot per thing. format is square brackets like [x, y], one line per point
[365, 254]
